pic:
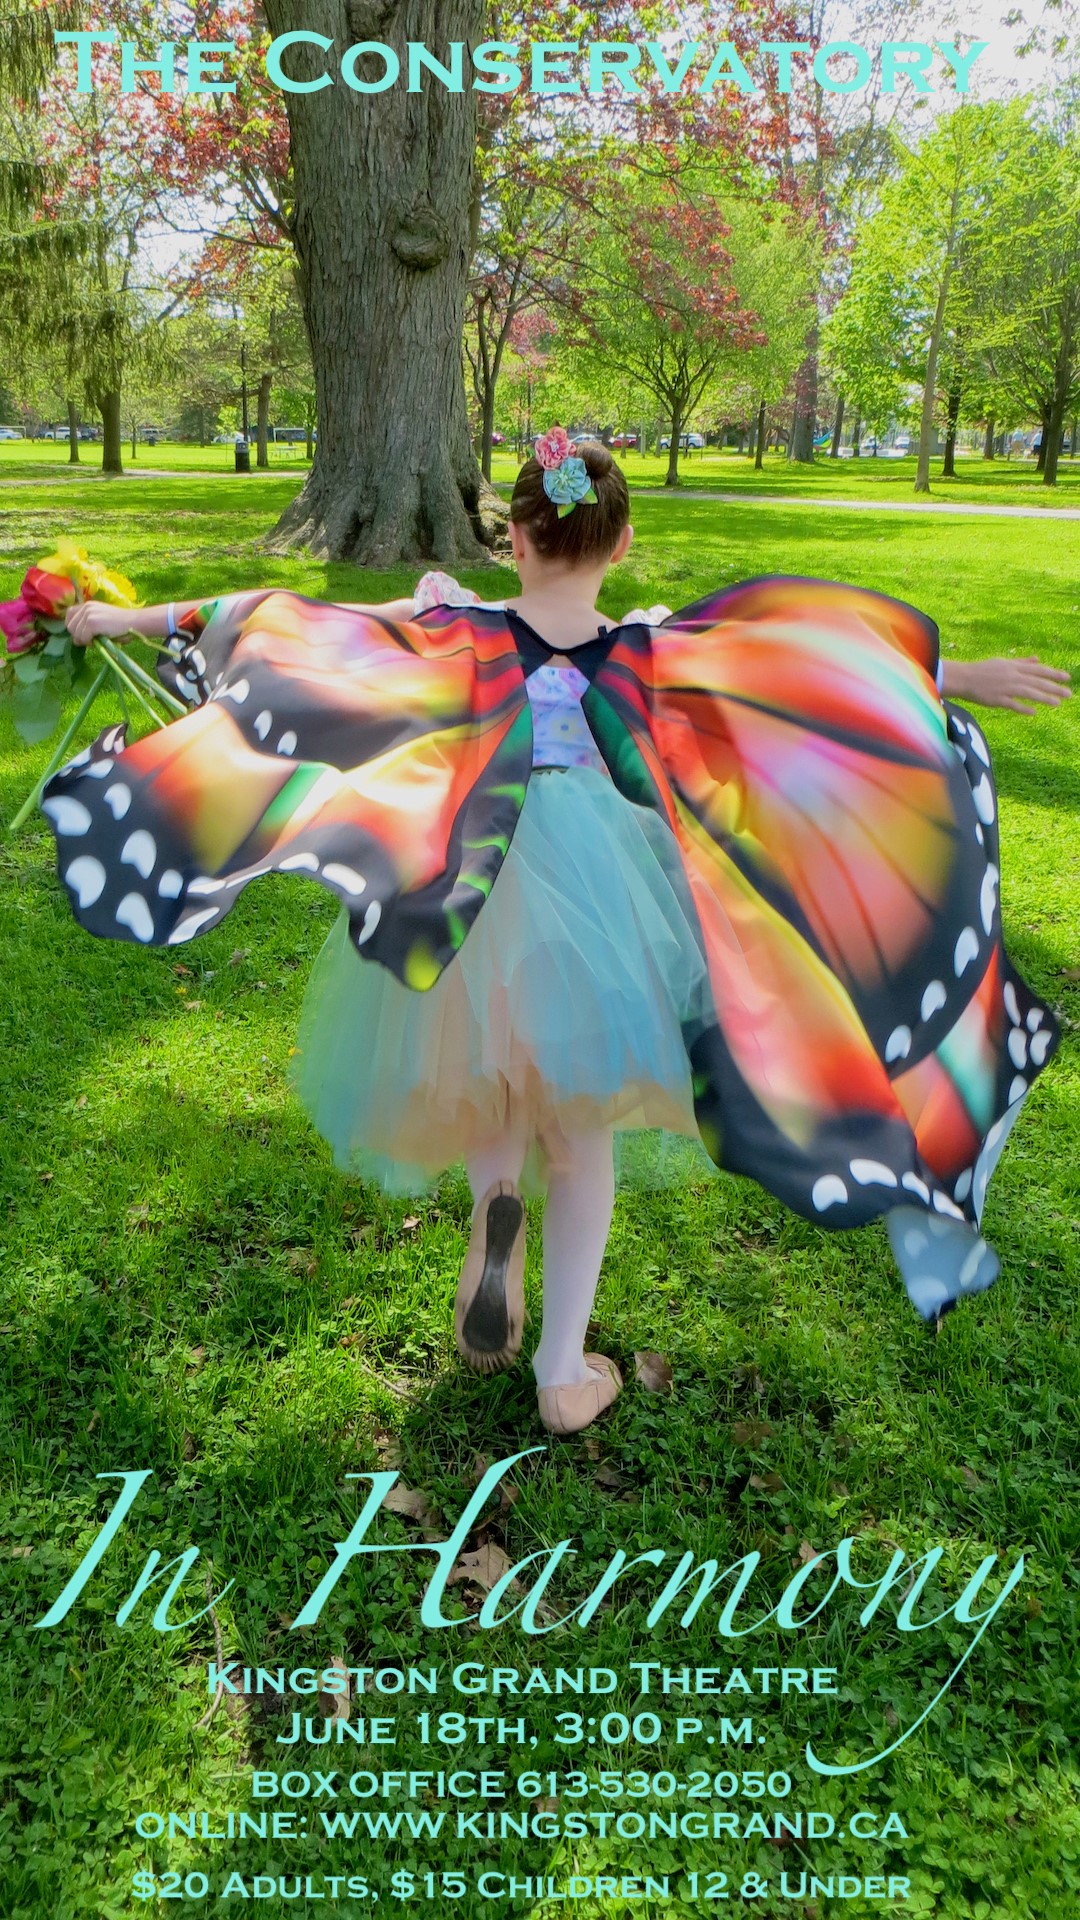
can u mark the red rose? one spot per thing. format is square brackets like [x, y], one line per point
[48, 593]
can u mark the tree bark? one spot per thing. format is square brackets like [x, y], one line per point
[383, 184]
[856, 439]
[671, 478]
[838, 428]
[929, 399]
[988, 439]
[948, 465]
[804, 419]
[262, 420]
[111, 451]
[73, 433]
[759, 444]
[1044, 436]
[1063, 380]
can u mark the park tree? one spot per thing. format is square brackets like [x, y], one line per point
[654, 296]
[1029, 255]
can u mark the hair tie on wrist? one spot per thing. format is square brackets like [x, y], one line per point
[170, 621]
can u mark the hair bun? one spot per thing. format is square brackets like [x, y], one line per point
[598, 458]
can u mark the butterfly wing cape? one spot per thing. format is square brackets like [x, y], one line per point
[837, 825]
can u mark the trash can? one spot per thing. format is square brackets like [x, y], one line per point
[242, 453]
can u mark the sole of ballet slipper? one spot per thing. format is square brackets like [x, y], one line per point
[568, 1409]
[489, 1311]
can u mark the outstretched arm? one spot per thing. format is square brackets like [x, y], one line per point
[1021, 685]
[93, 620]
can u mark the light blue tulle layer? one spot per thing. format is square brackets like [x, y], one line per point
[563, 1010]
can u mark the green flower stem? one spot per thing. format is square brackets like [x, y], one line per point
[57, 759]
[119, 668]
[126, 663]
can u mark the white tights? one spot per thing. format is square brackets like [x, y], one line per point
[577, 1219]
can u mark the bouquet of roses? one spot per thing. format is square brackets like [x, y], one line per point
[41, 668]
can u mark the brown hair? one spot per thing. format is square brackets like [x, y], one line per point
[589, 532]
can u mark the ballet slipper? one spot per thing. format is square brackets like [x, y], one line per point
[489, 1311]
[568, 1409]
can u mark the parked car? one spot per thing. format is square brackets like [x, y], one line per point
[624, 440]
[10, 433]
[689, 442]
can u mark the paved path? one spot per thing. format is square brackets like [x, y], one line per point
[864, 506]
[981, 508]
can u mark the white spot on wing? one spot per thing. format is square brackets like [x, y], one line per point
[371, 921]
[68, 816]
[1040, 1047]
[86, 878]
[133, 912]
[263, 723]
[171, 884]
[118, 799]
[189, 927]
[205, 883]
[307, 861]
[914, 1185]
[967, 949]
[988, 897]
[345, 877]
[980, 747]
[238, 691]
[983, 796]
[1018, 1046]
[1012, 1005]
[933, 998]
[898, 1044]
[139, 851]
[1018, 1089]
[828, 1191]
[873, 1173]
[287, 743]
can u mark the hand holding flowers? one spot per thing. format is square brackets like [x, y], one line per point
[58, 638]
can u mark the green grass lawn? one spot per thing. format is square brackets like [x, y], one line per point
[992, 482]
[191, 1287]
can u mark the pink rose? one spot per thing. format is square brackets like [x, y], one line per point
[17, 625]
[48, 593]
[552, 448]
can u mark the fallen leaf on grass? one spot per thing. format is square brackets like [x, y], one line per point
[182, 972]
[971, 1476]
[337, 1697]
[410, 1223]
[750, 1433]
[805, 1554]
[238, 954]
[189, 1446]
[608, 1479]
[766, 1482]
[196, 1359]
[653, 1372]
[410, 1503]
[484, 1567]
[94, 1420]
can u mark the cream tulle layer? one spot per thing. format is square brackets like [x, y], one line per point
[563, 1010]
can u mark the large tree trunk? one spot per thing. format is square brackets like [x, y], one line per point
[988, 439]
[73, 433]
[856, 439]
[948, 465]
[838, 428]
[804, 419]
[1044, 439]
[262, 420]
[382, 192]
[111, 449]
[759, 444]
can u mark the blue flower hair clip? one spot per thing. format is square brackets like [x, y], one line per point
[566, 477]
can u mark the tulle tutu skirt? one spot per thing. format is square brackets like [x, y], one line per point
[563, 1010]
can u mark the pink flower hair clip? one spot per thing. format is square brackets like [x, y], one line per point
[566, 477]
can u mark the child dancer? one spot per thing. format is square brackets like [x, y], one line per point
[694, 921]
